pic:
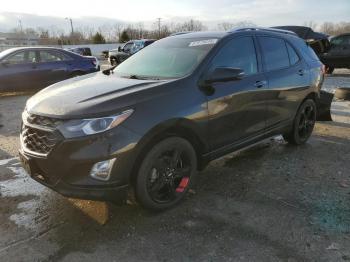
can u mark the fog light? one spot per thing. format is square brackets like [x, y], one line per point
[102, 170]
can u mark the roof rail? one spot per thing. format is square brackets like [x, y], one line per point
[181, 33]
[266, 29]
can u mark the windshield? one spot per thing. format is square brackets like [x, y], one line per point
[167, 58]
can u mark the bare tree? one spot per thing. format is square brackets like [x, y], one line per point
[225, 26]
[311, 24]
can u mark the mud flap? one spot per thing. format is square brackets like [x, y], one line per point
[324, 106]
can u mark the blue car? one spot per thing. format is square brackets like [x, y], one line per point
[29, 68]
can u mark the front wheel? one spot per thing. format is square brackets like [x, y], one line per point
[303, 124]
[166, 173]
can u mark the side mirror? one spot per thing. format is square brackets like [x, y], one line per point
[119, 49]
[4, 63]
[224, 74]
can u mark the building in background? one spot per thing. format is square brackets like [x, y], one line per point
[18, 39]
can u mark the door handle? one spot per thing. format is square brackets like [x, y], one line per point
[260, 84]
[301, 72]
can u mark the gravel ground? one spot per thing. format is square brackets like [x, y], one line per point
[272, 202]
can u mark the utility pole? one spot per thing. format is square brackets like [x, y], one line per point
[159, 20]
[20, 25]
[71, 23]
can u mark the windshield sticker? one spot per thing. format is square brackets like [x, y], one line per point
[204, 42]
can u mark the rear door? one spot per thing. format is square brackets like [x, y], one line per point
[53, 67]
[237, 108]
[288, 79]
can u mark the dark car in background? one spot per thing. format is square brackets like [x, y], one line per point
[116, 56]
[338, 56]
[318, 41]
[28, 68]
[167, 111]
[84, 51]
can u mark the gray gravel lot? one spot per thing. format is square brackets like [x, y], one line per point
[272, 202]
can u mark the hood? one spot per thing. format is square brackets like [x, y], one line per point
[89, 96]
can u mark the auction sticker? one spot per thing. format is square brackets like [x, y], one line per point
[204, 42]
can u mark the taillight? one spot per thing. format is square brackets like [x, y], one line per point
[323, 68]
[94, 62]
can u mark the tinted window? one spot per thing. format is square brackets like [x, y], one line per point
[307, 52]
[127, 47]
[237, 53]
[52, 56]
[275, 53]
[340, 41]
[293, 57]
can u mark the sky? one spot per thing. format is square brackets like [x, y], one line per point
[261, 12]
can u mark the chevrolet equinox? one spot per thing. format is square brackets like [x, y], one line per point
[148, 125]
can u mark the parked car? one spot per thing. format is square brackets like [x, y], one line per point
[149, 125]
[84, 51]
[116, 56]
[37, 67]
[338, 56]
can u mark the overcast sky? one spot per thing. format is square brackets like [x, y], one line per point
[261, 12]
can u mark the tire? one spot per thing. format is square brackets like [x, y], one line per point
[329, 69]
[303, 123]
[165, 174]
[342, 93]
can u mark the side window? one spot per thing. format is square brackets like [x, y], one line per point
[128, 47]
[50, 56]
[31, 57]
[18, 58]
[293, 56]
[274, 52]
[237, 53]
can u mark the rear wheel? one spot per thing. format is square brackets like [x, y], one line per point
[166, 173]
[304, 123]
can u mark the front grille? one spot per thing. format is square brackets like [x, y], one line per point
[38, 141]
[43, 121]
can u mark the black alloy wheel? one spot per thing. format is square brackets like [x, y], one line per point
[166, 173]
[304, 123]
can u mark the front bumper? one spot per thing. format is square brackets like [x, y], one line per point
[66, 168]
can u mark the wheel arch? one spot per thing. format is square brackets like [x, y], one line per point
[183, 128]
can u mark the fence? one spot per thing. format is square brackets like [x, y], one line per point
[96, 49]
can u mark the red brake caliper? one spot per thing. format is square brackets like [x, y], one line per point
[183, 184]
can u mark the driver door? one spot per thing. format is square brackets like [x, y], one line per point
[237, 108]
[18, 71]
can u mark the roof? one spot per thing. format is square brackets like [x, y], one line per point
[216, 34]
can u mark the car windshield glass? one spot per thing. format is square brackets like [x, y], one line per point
[167, 58]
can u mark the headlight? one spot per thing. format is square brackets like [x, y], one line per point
[81, 127]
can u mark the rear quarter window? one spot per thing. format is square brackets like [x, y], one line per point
[306, 51]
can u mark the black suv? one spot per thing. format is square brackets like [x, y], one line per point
[148, 125]
[338, 56]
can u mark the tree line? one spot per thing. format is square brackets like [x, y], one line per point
[124, 32]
